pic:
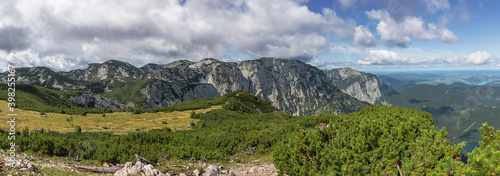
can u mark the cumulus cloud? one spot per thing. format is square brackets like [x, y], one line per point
[363, 37]
[476, 58]
[397, 33]
[385, 57]
[165, 30]
[30, 58]
[382, 57]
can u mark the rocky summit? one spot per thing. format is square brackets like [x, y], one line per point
[362, 86]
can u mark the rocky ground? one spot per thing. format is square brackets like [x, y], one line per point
[29, 165]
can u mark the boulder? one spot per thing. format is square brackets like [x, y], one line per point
[31, 167]
[254, 169]
[128, 164]
[132, 171]
[196, 172]
[211, 171]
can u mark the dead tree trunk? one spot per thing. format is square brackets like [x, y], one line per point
[111, 170]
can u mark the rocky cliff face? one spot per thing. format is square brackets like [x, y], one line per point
[292, 86]
[362, 86]
[160, 93]
[90, 101]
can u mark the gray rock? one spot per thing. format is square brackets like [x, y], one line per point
[196, 172]
[254, 169]
[161, 93]
[132, 171]
[149, 167]
[138, 165]
[257, 169]
[31, 167]
[182, 174]
[91, 101]
[231, 173]
[211, 171]
[121, 172]
[156, 172]
[128, 164]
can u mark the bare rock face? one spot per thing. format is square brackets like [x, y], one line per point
[160, 93]
[90, 101]
[362, 86]
[292, 86]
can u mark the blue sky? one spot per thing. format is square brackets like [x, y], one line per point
[368, 35]
[473, 22]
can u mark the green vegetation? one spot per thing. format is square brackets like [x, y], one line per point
[374, 141]
[219, 135]
[130, 93]
[485, 160]
[43, 100]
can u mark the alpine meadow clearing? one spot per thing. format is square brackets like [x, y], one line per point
[117, 122]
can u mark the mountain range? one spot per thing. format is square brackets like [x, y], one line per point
[292, 86]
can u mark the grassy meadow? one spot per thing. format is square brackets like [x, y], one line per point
[117, 122]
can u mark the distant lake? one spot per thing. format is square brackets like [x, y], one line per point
[478, 83]
[471, 146]
[469, 83]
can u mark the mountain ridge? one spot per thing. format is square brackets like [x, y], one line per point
[291, 85]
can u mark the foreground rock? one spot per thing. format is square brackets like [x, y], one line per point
[138, 169]
[211, 171]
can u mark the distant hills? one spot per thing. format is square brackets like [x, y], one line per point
[459, 107]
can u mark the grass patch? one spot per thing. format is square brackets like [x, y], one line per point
[118, 122]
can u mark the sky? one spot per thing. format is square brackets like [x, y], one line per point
[368, 35]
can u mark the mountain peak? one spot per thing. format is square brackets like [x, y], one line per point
[118, 63]
[177, 63]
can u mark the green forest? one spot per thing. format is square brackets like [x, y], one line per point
[378, 140]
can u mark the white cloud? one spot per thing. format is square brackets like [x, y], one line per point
[163, 30]
[30, 58]
[435, 5]
[397, 33]
[476, 58]
[385, 57]
[382, 57]
[363, 37]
